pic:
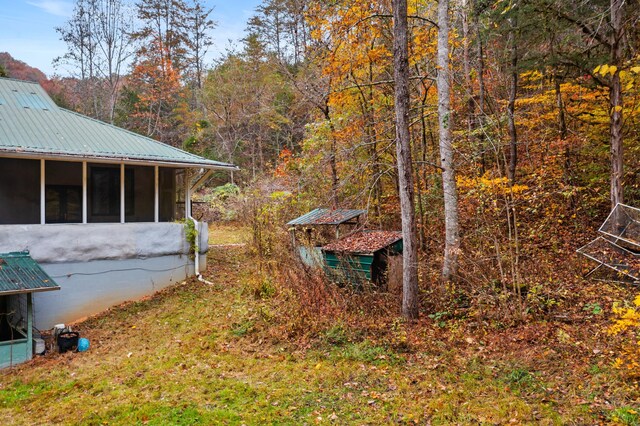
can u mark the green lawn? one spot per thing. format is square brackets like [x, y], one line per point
[220, 234]
[199, 354]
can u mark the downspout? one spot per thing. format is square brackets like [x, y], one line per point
[197, 251]
[199, 182]
[196, 224]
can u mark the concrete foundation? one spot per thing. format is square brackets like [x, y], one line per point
[101, 265]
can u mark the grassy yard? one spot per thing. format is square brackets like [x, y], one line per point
[220, 234]
[200, 354]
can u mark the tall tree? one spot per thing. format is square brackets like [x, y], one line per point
[79, 35]
[98, 45]
[450, 191]
[600, 33]
[113, 29]
[410, 306]
[198, 27]
[511, 105]
[163, 28]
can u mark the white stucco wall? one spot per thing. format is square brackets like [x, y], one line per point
[100, 265]
[58, 243]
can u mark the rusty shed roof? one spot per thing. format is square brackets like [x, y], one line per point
[364, 242]
[326, 217]
[19, 273]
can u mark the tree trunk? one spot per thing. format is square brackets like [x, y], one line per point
[481, 96]
[466, 65]
[410, 306]
[332, 159]
[452, 240]
[615, 99]
[513, 89]
[562, 121]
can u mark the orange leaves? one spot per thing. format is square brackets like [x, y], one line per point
[286, 162]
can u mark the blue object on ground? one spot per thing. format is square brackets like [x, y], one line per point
[83, 344]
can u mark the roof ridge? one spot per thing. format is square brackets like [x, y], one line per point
[21, 81]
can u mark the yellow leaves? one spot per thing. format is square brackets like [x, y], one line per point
[605, 69]
[635, 70]
[490, 185]
[626, 318]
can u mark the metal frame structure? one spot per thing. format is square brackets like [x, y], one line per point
[607, 251]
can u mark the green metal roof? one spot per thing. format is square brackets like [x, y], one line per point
[19, 273]
[326, 217]
[32, 125]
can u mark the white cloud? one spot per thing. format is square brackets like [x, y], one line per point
[54, 7]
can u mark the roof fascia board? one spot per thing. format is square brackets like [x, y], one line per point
[30, 290]
[91, 159]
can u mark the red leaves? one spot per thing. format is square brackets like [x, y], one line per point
[364, 242]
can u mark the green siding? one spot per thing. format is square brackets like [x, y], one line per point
[349, 268]
[14, 352]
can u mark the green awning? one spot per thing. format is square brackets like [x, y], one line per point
[19, 273]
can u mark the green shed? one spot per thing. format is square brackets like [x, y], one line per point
[312, 230]
[20, 276]
[362, 256]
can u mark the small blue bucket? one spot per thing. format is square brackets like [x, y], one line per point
[83, 344]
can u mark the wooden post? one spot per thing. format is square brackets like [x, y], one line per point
[42, 193]
[122, 210]
[156, 195]
[187, 194]
[84, 192]
[29, 326]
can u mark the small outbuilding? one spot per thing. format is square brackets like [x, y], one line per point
[361, 257]
[311, 231]
[20, 277]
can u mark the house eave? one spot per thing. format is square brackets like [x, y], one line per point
[36, 155]
[28, 290]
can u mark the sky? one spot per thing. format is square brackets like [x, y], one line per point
[27, 28]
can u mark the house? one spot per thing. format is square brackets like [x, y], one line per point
[96, 206]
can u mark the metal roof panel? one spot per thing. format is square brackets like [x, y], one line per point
[19, 273]
[322, 216]
[32, 124]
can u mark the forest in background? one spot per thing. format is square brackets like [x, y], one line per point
[543, 114]
[539, 141]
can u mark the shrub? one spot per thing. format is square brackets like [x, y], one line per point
[627, 321]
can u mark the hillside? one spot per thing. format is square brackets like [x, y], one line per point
[20, 70]
[229, 354]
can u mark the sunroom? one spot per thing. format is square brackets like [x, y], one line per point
[96, 206]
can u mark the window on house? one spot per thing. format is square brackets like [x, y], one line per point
[63, 192]
[139, 193]
[19, 191]
[104, 193]
[167, 194]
